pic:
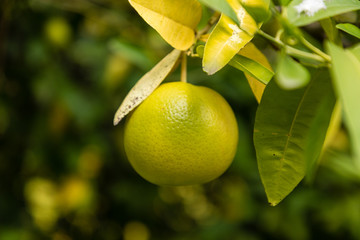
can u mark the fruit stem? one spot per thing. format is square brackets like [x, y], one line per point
[183, 76]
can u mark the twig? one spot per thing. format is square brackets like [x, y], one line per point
[183, 74]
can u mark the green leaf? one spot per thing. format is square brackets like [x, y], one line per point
[255, 69]
[175, 21]
[291, 74]
[221, 6]
[356, 51]
[328, 24]
[282, 129]
[284, 2]
[319, 129]
[257, 86]
[333, 7]
[349, 28]
[258, 9]
[147, 84]
[342, 164]
[346, 77]
[224, 42]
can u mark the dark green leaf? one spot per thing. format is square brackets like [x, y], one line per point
[283, 126]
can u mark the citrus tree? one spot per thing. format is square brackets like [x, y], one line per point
[307, 90]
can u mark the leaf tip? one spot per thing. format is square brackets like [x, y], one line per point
[209, 70]
[274, 203]
[117, 119]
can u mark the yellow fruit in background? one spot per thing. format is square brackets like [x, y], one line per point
[181, 135]
[58, 31]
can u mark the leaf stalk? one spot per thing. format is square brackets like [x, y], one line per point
[317, 56]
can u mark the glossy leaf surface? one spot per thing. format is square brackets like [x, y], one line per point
[246, 22]
[224, 42]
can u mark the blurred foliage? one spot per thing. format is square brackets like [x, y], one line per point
[65, 67]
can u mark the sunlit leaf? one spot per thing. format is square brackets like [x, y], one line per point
[333, 7]
[175, 21]
[281, 134]
[224, 42]
[346, 77]
[146, 85]
[349, 28]
[254, 64]
[262, 73]
[246, 22]
[291, 74]
[221, 6]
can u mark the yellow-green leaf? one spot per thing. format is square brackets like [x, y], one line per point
[251, 51]
[224, 42]
[246, 22]
[146, 85]
[290, 74]
[349, 28]
[334, 126]
[346, 78]
[174, 20]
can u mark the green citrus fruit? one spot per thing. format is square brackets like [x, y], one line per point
[181, 135]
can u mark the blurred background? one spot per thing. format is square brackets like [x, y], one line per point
[65, 67]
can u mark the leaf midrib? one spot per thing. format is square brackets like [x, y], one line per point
[290, 134]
